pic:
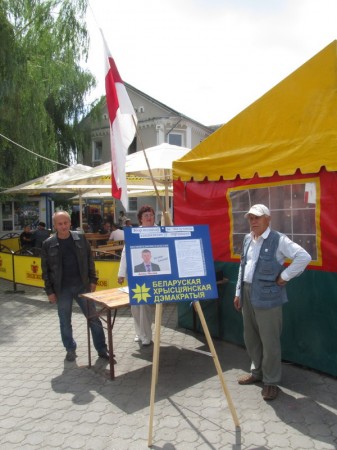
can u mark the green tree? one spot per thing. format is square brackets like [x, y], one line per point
[42, 85]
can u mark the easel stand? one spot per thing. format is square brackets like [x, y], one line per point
[155, 365]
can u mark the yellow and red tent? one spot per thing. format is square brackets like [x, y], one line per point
[282, 151]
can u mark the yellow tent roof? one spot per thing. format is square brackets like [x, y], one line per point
[293, 126]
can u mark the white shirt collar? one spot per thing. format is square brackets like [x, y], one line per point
[264, 235]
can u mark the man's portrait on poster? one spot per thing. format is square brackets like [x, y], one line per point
[152, 260]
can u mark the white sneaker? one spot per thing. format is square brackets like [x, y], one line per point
[137, 338]
[146, 342]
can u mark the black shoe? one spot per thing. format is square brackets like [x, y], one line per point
[71, 355]
[104, 354]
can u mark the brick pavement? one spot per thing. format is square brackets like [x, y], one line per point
[48, 403]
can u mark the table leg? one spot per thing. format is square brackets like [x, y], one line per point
[88, 334]
[194, 319]
[110, 345]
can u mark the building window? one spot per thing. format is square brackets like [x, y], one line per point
[293, 209]
[26, 213]
[7, 216]
[175, 139]
[16, 215]
[133, 204]
[97, 151]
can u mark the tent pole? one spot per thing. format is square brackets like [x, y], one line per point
[162, 208]
[81, 205]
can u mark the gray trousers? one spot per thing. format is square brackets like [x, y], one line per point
[142, 316]
[262, 332]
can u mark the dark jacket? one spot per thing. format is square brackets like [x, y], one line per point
[141, 268]
[51, 261]
[26, 240]
[40, 236]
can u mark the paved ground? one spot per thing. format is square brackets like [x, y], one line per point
[48, 403]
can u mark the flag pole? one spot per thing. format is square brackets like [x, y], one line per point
[161, 205]
[113, 103]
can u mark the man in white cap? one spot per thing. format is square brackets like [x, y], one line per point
[260, 294]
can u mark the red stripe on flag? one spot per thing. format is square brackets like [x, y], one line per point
[115, 73]
[115, 190]
[123, 122]
[111, 78]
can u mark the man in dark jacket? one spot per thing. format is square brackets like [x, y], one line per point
[68, 270]
[41, 234]
[26, 238]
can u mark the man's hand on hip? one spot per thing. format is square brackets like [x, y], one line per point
[280, 281]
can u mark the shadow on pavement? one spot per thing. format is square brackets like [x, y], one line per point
[131, 391]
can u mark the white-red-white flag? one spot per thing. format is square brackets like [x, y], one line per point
[123, 122]
[310, 193]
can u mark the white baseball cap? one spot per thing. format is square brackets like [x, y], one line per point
[258, 210]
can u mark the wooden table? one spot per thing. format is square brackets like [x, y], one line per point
[93, 238]
[108, 300]
[102, 250]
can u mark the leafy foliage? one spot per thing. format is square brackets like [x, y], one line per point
[42, 85]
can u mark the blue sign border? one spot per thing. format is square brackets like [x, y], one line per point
[182, 266]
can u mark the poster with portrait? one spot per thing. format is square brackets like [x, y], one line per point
[169, 264]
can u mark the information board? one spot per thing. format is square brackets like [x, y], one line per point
[169, 264]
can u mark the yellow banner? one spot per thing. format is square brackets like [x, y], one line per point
[27, 270]
[6, 266]
[107, 272]
[11, 243]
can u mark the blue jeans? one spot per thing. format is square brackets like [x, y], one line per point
[64, 308]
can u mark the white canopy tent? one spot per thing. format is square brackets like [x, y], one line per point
[160, 159]
[52, 182]
[133, 191]
[42, 184]
[90, 181]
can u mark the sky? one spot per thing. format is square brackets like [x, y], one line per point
[207, 59]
